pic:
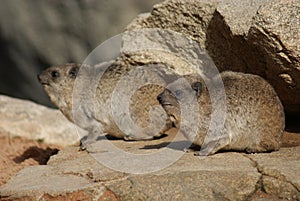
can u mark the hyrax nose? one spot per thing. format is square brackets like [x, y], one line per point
[160, 97]
[42, 78]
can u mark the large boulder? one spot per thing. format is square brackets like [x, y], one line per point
[275, 35]
[33, 121]
[255, 36]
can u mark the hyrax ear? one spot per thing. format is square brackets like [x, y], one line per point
[73, 72]
[197, 87]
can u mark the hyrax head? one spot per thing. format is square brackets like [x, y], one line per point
[180, 95]
[58, 82]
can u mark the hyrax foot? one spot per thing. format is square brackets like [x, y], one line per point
[202, 153]
[213, 146]
[85, 143]
[196, 153]
[93, 147]
[134, 138]
[191, 149]
[188, 150]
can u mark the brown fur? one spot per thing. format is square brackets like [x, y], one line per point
[254, 119]
[92, 110]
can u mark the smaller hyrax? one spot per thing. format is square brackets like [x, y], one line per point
[254, 117]
[89, 101]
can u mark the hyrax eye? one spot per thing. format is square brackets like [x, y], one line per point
[73, 72]
[197, 87]
[54, 74]
[177, 93]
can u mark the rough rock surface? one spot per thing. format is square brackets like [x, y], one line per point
[280, 174]
[259, 37]
[275, 35]
[224, 176]
[19, 152]
[33, 121]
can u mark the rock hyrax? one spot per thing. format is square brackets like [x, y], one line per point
[94, 110]
[254, 120]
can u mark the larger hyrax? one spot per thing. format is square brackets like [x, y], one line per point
[254, 120]
[93, 110]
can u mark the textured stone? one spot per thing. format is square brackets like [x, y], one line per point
[35, 181]
[191, 178]
[280, 172]
[190, 18]
[275, 34]
[27, 119]
[223, 176]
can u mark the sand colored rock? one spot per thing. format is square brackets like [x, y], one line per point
[33, 121]
[230, 176]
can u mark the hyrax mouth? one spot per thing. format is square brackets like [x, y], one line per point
[172, 118]
[45, 84]
[165, 104]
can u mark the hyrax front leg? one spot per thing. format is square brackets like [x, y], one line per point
[93, 133]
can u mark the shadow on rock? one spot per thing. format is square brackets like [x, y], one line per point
[179, 145]
[293, 123]
[37, 154]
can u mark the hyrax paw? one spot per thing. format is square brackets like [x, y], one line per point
[89, 147]
[188, 150]
[201, 153]
[191, 149]
[129, 138]
[85, 144]
[138, 137]
[93, 147]
[82, 148]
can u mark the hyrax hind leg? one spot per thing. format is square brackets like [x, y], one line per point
[210, 147]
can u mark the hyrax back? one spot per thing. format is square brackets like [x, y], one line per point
[254, 120]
